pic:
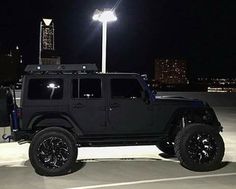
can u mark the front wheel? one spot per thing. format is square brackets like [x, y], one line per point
[199, 147]
[53, 151]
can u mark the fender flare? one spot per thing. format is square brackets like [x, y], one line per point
[196, 114]
[71, 124]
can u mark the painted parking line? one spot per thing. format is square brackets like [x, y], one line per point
[153, 181]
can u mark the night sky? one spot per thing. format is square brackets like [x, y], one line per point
[202, 32]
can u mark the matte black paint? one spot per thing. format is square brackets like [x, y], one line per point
[108, 121]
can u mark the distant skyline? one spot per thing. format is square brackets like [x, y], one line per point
[200, 32]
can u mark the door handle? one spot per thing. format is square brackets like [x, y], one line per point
[114, 105]
[78, 106]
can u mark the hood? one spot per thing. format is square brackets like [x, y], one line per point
[180, 99]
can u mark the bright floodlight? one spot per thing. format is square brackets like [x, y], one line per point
[104, 16]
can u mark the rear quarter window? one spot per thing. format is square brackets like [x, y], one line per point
[45, 89]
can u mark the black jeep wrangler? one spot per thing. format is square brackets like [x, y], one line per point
[64, 107]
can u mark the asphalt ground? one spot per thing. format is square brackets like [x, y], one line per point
[138, 167]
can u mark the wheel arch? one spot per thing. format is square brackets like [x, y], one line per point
[173, 124]
[187, 115]
[53, 119]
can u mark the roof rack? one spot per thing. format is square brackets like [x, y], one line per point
[62, 68]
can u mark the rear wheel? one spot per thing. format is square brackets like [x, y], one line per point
[53, 151]
[199, 147]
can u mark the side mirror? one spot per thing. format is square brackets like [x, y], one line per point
[146, 97]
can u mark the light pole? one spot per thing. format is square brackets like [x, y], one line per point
[104, 17]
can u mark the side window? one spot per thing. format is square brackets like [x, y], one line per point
[90, 88]
[125, 88]
[45, 89]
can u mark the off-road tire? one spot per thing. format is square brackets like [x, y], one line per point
[53, 152]
[199, 147]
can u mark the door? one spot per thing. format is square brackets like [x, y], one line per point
[128, 112]
[88, 105]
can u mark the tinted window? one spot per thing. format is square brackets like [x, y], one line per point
[45, 89]
[125, 88]
[90, 88]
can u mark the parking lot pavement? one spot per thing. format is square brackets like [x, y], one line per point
[122, 167]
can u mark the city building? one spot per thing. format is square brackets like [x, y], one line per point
[171, 72]
[47, 53]
[11, 65]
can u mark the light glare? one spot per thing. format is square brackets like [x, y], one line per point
[53, 86]
[104, 16]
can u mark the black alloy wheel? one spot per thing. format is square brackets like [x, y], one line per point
[53, 152]
[201, 147]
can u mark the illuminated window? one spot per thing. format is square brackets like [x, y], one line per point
[45, 89]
